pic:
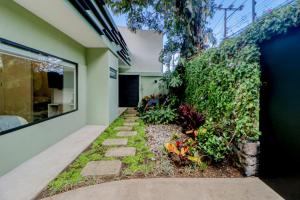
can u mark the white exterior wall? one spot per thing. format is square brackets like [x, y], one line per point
[145, 47]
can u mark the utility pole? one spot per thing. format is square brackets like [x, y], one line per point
[226, 9]
[253, 10]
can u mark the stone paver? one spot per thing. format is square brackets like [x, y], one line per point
[175, 189]
[124, 128]
[129, 120]
[131, 112]
[117, 142]
[126, 133]
[105, 168]
[120, 152]
[131, 123]
[130, 115]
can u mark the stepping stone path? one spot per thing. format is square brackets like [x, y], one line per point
[130, 111]
[129, 120]
[130, 123]
[116, 142]
[106, 168]
[124, 128]
[126, 133]
[130, 115]
[120, 152]
[112, 168]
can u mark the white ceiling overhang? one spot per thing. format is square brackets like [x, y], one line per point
[64, 17]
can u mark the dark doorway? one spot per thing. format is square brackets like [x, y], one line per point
[280, 114]
[128, 90]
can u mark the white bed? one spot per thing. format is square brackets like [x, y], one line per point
[11, 121]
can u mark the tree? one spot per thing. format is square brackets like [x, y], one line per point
[183, 22]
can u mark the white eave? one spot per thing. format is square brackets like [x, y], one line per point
[64, 17]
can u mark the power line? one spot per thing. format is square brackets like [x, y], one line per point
[242, 5]
[257, 8]
[226, 9]
[220, 19]
[285, 3]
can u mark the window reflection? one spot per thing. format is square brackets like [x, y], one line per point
[34, 90]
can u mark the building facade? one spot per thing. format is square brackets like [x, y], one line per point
[59, 71]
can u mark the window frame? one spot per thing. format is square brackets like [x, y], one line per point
[38, 52]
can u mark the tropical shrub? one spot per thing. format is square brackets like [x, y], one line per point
[160, 115]
[156, 101]
[215, 146]
[147, 102]
[189, 118]
[171, 80]
[184, 152]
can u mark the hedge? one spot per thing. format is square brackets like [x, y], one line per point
[224, 82]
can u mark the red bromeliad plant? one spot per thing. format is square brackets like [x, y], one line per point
[186, 151]
[190, 120]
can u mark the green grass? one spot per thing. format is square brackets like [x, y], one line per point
[140, 163]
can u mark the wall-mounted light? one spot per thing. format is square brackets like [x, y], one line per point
[155, 81]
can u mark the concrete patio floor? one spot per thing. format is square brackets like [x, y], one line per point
[175, 189]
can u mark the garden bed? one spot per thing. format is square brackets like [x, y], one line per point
[150, 161]
[158, 135]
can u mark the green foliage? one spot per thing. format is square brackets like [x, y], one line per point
[271, 24]
[171, 80]
[214, 146]
[226, 90]
[142, 161]
[160, 115]
[223, 83]
[183, 22]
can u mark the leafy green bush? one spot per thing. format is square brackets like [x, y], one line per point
[226, 90]
[171, 80]
[160, 115]
[213, 145]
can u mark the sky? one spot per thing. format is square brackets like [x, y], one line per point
[237, 21]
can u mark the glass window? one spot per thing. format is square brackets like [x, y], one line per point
[34, 88]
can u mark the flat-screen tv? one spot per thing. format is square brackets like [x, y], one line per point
[55, 80]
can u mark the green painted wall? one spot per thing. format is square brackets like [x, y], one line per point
[148, 85]
[98, 86]
[102, 91]
[22, 27]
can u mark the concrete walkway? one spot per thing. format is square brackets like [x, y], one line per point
[30, 178]
[175, 189]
